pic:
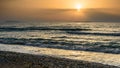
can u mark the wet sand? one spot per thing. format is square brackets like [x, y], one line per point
[19, 60]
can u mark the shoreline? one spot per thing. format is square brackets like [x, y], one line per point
[20, 60]
[18, 55]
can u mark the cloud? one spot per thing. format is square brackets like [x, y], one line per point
[107, 15]
[98, 15]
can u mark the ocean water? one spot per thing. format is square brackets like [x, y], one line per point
[85, 36]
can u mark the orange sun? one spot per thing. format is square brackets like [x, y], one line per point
[78, 6]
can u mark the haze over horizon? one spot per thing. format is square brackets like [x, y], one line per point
[60, 10]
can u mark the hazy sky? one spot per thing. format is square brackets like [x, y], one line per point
[60, 3]
[31, 10]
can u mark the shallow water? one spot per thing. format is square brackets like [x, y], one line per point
[95, 36]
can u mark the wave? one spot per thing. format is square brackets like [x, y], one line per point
[77, 31]
[88, 33]
[41, 28]
[112, 47]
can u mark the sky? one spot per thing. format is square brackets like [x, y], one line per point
[60, 10]
[60, 3]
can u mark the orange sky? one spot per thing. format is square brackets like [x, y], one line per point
[59, 3]
[62, 10]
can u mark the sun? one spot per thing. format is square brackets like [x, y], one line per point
[78, 6]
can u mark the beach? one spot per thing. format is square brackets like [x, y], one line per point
[59, 34]
[16, 56]
[59, 45]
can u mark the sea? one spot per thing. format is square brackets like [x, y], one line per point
[80, 36]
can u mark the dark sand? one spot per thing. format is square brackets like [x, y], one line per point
[19, 60]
